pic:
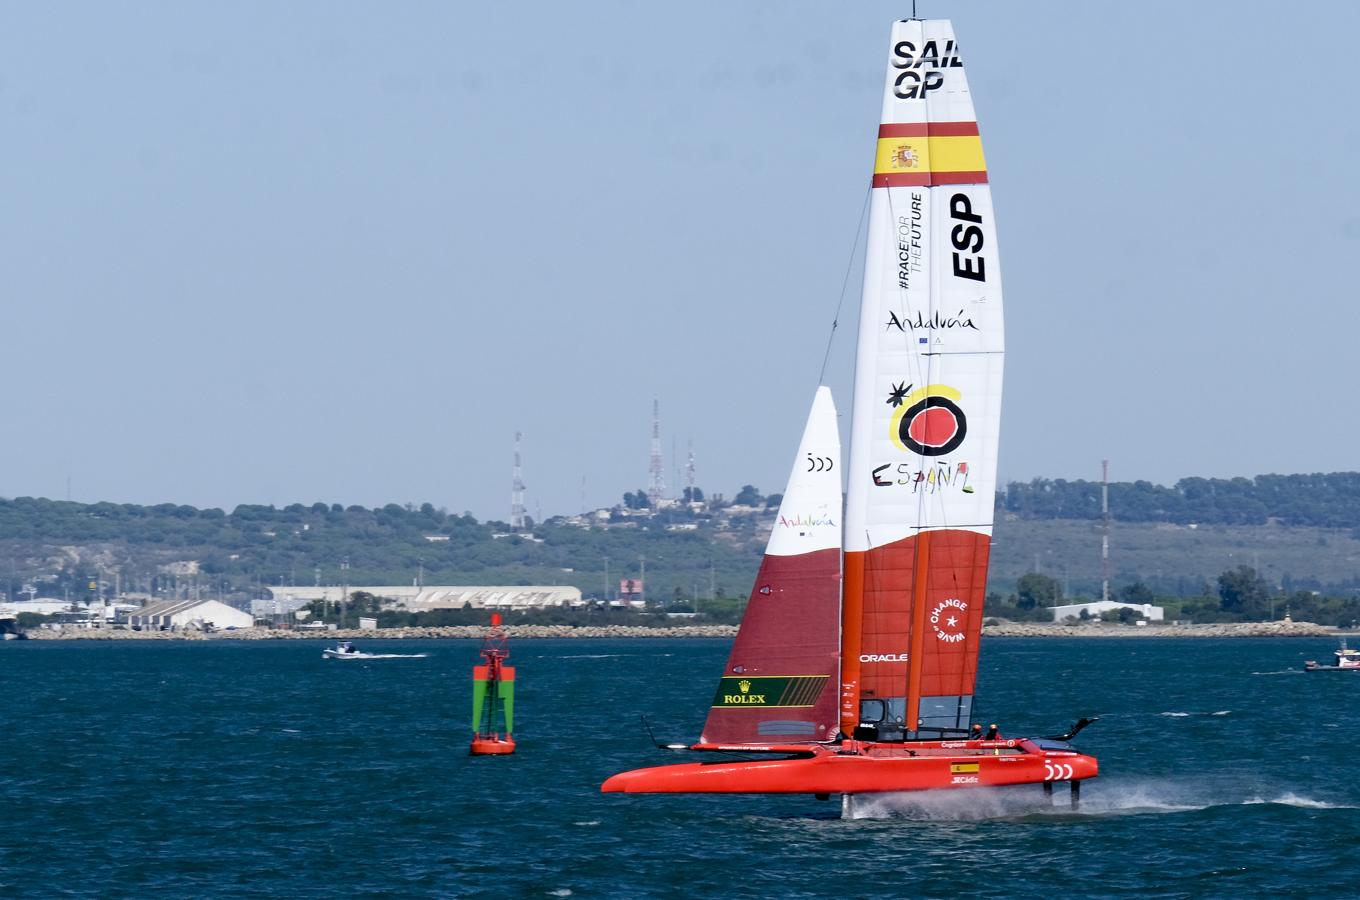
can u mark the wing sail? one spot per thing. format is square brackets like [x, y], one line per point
[927, 403]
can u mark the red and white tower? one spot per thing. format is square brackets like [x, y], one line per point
[656, 487]
[517, 490]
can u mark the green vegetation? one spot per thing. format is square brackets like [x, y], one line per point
[62, 547]
[1323, 500]
[1183, 547]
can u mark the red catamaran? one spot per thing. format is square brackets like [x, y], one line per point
[493, 696]
[856, 659]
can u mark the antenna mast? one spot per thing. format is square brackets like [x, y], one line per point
[656, 489]
[689, 471]
[517, 490]
[1105, 529]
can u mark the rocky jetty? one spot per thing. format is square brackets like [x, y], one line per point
[1215, 630]
[999, 629]
[459, 631]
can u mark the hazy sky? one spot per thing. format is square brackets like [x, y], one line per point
[282, 252]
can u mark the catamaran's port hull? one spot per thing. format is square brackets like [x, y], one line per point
[875, 768]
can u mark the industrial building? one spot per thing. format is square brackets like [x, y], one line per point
[1099, 607]
[413, 598]
[180, 614]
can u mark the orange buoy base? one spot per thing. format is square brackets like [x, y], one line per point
[492, 745]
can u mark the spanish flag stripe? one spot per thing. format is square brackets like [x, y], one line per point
[923, 129]
[903, 179]
[958, 178]
[930, 154]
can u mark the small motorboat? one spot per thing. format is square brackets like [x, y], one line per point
[1347, 660]
[347, 650]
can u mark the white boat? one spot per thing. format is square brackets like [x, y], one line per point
[347, 650]
[1346, 660]
[9, 626]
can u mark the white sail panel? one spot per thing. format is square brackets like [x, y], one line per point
[927, 401]
[810, 514]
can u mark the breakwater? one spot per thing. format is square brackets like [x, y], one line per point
[1000, 629]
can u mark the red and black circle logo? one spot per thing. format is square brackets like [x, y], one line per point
[933, 426]
[927, 421]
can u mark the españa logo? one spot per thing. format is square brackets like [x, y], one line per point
[927, 420]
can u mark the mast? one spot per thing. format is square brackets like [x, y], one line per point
[1105, 529]
[517, 490]
[656, 486]
[927, 404]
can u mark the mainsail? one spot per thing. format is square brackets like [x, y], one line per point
[927, 404]
[779, 682]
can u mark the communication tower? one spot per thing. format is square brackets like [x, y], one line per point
[689, 471]
[656, 488]
[517, 490]
[1105, 529]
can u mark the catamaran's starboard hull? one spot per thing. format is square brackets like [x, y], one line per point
[876, 768]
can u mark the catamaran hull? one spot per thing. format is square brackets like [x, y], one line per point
[877, 771]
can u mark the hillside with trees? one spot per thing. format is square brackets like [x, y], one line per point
[1322, 500]
[1299, 534]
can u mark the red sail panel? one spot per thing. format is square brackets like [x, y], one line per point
[944, 629]
[779, 683]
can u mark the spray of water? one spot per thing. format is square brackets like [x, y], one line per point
[1106, 797]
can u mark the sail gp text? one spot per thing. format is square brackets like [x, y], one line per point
[921, 70]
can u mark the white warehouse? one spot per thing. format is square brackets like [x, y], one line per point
[1099, 607]
[190, 614]
[428, 597]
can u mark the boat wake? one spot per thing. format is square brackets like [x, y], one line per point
[1099, 799]
[600, 655]
[1301, 802]
[1184, 715]
[388, 656]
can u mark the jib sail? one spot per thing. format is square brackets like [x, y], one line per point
[779, 684]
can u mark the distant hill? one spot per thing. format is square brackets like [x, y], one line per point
[1299, 531]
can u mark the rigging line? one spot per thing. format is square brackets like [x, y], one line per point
[845, 283]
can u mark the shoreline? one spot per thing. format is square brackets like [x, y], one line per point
[522, 632]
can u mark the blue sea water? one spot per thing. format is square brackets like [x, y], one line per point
[256, 769]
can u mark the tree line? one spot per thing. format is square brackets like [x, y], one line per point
[1329, 500]
[1239, 594]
